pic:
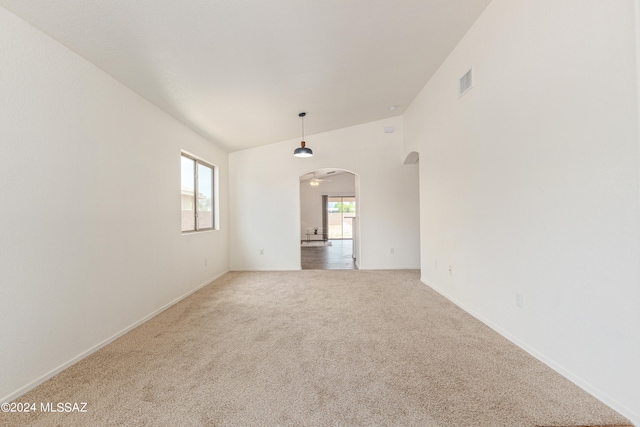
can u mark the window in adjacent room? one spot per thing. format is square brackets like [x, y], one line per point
[197, 196]
[341, 212]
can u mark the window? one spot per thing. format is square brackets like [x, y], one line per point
[341, 212]
[196, 194]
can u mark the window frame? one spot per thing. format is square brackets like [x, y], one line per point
[196, 212]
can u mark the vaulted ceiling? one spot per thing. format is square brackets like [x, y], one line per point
[239, 71]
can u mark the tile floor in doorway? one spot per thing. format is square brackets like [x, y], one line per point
[338, 256]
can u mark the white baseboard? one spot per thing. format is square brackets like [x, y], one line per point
[22, 390]
[395, 267]
[266, 270]
[585, 385]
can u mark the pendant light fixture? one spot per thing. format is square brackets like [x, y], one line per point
[302, 151]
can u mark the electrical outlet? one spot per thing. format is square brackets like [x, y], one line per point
[451, 270]
[393, 251]
[261, 251]
[519, 302]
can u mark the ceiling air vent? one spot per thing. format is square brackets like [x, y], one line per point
[466, 82]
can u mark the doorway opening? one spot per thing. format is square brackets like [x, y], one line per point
[329, 219]
[413, 160]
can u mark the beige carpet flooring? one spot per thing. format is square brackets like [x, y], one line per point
[314, 348]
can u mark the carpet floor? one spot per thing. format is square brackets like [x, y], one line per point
[314, 348]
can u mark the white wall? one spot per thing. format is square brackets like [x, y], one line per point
[264, 198]
[529, 185]
[89, 208]
[343, 184]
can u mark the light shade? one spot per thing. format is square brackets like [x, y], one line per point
[302, 152]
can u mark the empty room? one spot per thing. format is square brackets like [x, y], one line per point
[392, 213]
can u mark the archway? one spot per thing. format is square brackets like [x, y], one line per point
[329, 219]
[413, 160]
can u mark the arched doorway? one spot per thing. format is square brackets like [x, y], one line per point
[329, 227]
[413, 160]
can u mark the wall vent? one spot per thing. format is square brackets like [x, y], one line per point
[466, 82]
